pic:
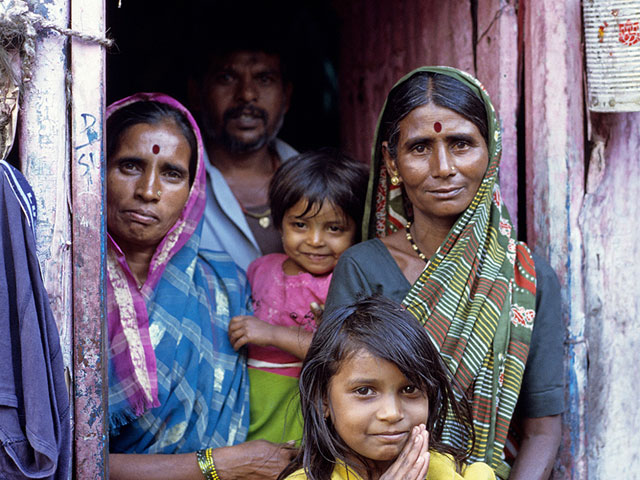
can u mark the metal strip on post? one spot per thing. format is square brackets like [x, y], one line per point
[87, 174]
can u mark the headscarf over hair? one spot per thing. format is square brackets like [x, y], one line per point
[175, 296]
[476, 296]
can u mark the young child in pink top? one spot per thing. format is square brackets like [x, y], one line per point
[316, 201]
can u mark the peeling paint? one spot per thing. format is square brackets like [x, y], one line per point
[555, 173]
[87, 114]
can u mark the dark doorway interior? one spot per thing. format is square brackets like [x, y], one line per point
[155, 45]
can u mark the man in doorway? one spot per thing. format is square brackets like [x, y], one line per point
[242, 96]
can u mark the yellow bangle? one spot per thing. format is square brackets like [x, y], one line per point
[205, 462]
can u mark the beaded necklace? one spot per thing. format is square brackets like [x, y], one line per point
[413, 244]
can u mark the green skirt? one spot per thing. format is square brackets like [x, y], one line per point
[275, 407]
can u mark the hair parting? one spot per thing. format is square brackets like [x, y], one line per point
[424, 88]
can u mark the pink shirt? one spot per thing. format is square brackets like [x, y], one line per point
[282, 299]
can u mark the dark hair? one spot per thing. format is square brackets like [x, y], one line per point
[423, 88]
[318, 176]
[151, 113]
[386, 330]
[232, 30]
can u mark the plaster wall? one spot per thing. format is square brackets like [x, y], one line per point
[554, 149]
[610, 226]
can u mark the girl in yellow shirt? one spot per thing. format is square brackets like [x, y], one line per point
[374, 395]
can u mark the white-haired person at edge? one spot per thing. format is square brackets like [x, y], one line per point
[445, 247]
[178, 391]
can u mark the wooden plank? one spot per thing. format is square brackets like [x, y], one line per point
[497, 68]
[610, 225]
[555, 172]
[383, 41]
[88, 199]
[44, 155]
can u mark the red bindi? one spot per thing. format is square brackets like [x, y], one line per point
[437, 127]
[156, 149]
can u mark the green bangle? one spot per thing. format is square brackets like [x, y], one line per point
[205, 462]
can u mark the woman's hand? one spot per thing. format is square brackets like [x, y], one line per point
[257, 459]
[413, 461]
[245, 329]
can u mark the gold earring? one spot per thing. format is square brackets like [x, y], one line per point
[395, 180]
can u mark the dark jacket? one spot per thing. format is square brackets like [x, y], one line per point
[35, 430]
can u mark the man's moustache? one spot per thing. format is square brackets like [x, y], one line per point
[241, 110]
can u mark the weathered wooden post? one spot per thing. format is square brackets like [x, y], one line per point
[44, 153]
[555, 188]
[62, 158]
[496, 54]
[88, 227]
[610, 225]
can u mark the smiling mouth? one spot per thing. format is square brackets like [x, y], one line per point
[317, 257]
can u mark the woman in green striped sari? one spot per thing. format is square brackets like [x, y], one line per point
[443, 244]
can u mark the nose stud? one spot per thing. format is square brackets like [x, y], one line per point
[159, 193]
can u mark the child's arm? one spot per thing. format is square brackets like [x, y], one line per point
[245, 329]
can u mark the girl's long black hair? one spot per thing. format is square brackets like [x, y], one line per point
[386, 330]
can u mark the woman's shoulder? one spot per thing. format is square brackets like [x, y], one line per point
[545, 274]
[218, 259]
[221, 265]
[364, 250]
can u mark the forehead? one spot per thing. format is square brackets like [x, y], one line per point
[424, 117]
[361, 362]
[247, 60]
[142, 137]
[327, 212]
[143, 132]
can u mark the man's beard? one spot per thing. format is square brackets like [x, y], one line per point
[233, 144]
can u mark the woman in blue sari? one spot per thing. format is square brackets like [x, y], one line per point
[178, 392]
